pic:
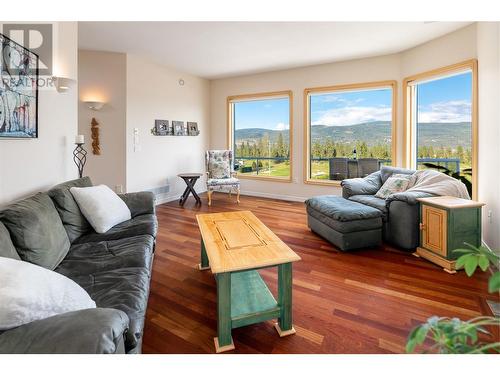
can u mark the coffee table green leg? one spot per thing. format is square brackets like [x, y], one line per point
[204, 258]
[284, 325]
[223, 341]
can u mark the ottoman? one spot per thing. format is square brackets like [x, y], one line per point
[346, 224]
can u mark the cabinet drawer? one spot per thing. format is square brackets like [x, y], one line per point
[434, 228]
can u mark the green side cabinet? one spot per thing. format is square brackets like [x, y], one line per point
[445, 224]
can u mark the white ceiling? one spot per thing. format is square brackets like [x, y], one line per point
[223, 49]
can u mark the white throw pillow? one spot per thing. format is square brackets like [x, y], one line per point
[29, 292]
[394, 184]
[101, 206]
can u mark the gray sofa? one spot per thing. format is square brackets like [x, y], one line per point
[114, 268]
[400, 212]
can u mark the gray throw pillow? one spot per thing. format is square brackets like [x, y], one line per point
[387, 171]
[7, 249]
[72, 218]
[37, 231]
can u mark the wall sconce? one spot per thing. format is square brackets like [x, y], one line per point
[95, 106]
[62, 84]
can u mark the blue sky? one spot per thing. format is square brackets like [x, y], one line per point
[443, 100]
[267, 114]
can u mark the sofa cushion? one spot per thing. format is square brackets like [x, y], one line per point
[372, 201]
[37, 230]
[341, 209]
[387, 171]
[7, 248]
[138, 225]
[345, 226]
[73, 220]
[125, 289]
[88, 258]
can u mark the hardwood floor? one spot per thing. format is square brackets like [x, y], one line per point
[364, 301]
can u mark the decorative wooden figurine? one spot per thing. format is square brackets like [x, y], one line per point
[96, 148]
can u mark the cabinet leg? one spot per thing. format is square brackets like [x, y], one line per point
[223, 341]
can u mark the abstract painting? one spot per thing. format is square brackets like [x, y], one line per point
[18, 91]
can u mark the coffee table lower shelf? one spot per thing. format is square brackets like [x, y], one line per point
[243, 298]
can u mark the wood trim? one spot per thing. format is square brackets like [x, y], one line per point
[263, 95]
[448, 265]
[434, 238]
[408, 98]
[393, 84]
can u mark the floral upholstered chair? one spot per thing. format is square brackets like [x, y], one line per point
[220, 174]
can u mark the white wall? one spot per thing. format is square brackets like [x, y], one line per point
[488, 53]
[356, 71]
[30, 165]
[153, 92]
[102, 77]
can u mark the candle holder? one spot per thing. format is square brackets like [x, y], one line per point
[80, 158]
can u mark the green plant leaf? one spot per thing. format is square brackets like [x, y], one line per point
[483, 262]
[471, 265]
[462, 260]
[494, 283]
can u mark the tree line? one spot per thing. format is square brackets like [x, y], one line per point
[264, 147]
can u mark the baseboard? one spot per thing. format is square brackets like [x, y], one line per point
[291, 198]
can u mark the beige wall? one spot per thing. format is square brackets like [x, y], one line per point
[30, 165]
[102, 77]
[488, 53]
[153, 92]
[356, 71]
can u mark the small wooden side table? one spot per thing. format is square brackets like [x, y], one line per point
[445, 224]
[190, 180]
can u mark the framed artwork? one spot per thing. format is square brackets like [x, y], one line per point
[179, 128]
[18, 90]
[192, 128]
[162, 127]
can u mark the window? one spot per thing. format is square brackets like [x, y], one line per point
[440, 116]
[349, 130]
[260, 134]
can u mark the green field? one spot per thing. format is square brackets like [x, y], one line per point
[269, 168]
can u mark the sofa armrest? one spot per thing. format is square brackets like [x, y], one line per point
[368, 185]
[409, 197]
[90, 331]
[140, 203]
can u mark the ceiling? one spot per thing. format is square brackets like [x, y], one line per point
[224, 49]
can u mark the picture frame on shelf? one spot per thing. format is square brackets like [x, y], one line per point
[192, 128]
[179, 128]
[162, 127]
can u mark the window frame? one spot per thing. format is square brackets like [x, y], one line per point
[409, 113]
[392, 84]
[230, 127]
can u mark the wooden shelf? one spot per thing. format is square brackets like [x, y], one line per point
[251, 299]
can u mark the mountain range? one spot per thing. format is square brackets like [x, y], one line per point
[429, 134]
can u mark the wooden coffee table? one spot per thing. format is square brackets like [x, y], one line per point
[234, 245]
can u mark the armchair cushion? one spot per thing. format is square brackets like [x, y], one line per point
[368, 185]
[7, 248]
[372, 201]
[139, 203]
[409, 197]
[219, 164]
[222, 181]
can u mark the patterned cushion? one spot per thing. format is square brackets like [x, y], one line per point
[219, 163]
[394, 184]
[222, 181]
